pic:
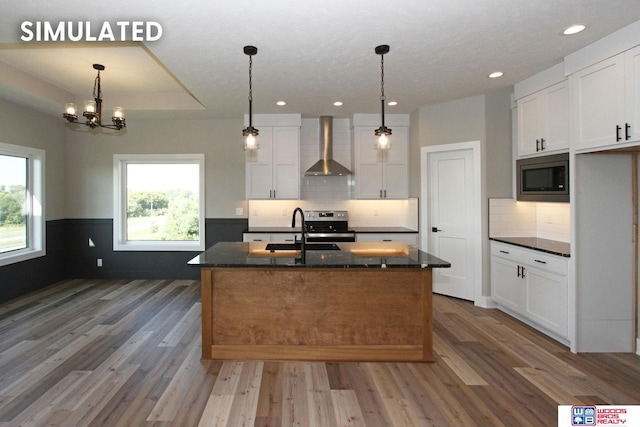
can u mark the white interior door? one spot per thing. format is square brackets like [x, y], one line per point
[451, 182]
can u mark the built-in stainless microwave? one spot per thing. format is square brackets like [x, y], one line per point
[543, 179]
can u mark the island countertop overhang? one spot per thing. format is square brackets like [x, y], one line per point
[349, 255]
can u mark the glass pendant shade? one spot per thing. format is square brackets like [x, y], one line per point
[70, 109]
[383, 142]
[250, 142]
[90, 107]
[118, 113]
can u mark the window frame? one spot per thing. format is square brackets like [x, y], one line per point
[120, 242]
[36, 224]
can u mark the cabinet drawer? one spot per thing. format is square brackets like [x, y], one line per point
[268, 237]
[255, 237]
[530, 257]
[410, 239]
[546, 262]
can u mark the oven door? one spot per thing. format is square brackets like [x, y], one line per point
[332, 237]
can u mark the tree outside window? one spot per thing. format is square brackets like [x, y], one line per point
[21, 203]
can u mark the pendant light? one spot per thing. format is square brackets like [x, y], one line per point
[250, 132]
[382, 132]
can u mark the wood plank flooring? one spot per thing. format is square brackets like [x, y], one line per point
[127, 353]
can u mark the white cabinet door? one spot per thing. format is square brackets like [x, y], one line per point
[598, 102]
[368, 164]
[529, 124]
[273, 169]
[546, 299]
[556, 124]
[632, 92]
[395, 165]
[259, 167]
[543, 120]
[507, 288]
[286, 163]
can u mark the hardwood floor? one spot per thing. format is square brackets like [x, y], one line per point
[126, 353]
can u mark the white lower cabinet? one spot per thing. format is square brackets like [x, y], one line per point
[268, 237]
[531, 284]
[410, 239]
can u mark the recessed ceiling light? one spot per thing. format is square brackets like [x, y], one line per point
[574, 29]
[392, 103]
[338, 103]
[496, 74]
[281, 103]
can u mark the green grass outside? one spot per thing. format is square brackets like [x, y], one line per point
[13, 237]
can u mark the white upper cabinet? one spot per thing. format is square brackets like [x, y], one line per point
[273, 169]
[543, 121]
[381, 174]
[632, 91]
[606, 96]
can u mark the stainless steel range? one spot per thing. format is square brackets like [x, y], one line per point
[328, 226]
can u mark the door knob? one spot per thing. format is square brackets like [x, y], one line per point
[435, 229]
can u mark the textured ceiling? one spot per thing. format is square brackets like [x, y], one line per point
[310, 53]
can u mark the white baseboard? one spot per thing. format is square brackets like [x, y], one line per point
[484, 302]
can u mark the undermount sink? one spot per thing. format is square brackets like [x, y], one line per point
[272, 247]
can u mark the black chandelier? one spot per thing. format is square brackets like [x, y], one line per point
[93, 109]
[250, 132]
[382, 132]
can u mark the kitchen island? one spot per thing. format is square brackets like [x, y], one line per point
[357, 302]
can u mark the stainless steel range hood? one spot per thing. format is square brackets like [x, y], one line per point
[326, 166]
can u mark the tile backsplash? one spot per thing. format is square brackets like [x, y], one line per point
[510, 218]
[362, 213]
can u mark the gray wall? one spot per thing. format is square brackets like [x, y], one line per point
[24, 126]
[89, 159]
[486, 118]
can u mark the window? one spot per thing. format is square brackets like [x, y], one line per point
[22, 224]
[159, 202]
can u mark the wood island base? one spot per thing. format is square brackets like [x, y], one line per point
[327, 314]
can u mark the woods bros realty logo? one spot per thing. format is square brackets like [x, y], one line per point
[86, 31]
[598, 415]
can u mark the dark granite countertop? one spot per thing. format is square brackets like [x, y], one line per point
[350, 255]
[356, 229]
[544, 245]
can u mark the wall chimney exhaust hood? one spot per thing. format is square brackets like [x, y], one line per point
[326, 166]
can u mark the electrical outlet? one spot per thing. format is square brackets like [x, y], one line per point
[99, 262]
[239, 211]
